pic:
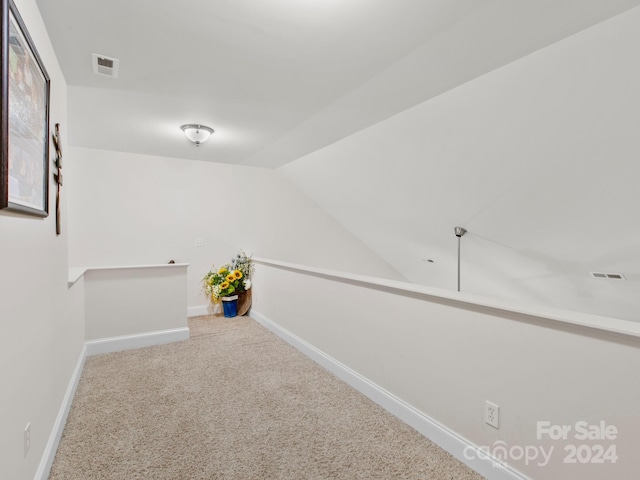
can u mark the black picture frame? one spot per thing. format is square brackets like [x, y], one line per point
[24, 119]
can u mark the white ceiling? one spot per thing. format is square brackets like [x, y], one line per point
[538, 160]
[278, 79]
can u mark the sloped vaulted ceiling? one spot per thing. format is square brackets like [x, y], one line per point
[539, 160]
[278, 79]
[516, 120]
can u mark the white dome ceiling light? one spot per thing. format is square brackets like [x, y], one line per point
[197, 133]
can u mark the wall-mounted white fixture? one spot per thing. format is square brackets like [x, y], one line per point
[197, 133]
[459, 231]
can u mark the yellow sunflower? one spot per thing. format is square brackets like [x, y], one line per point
[231, 277]
[224, 285]
[223, 270]
[237, 274]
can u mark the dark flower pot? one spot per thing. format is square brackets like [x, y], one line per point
[230, 306]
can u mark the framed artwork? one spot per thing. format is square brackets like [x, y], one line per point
[24, 120]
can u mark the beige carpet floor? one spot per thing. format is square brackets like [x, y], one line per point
[234, 402]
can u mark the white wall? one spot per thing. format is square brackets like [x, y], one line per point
[537, 159]
[130, 209]
[42, 330]
[446, 358]
[129, 301]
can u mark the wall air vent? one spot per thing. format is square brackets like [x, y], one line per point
[103, 65]
[609, 276]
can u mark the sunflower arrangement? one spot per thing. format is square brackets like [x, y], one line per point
[229, 279]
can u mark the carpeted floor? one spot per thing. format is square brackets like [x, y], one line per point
[234, 402]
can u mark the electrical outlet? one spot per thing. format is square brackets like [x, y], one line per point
[27, 439]
[492, 414]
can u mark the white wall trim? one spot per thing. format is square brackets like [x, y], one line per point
[468, 300]
[95, 347]
[456, 445]
[140, 340]
[445, 438]
[50, 449]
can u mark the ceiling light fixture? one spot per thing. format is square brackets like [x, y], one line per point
[197, 133]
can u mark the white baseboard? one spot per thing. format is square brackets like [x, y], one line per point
[198, 310]
[130, 342]
[58, 426]
[95, 347]
[456, 445]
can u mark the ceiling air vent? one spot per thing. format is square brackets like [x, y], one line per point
[610, 276]
[103, 65]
